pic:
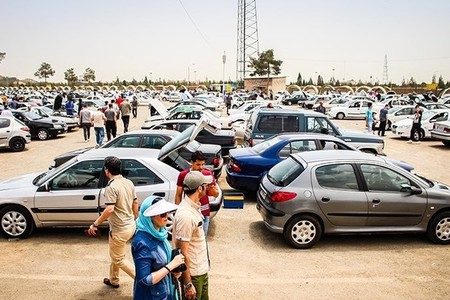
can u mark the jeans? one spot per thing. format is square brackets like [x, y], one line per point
[382, 128]
[117, 245]
[369, 127]
[126, 121]
[111, 128]
[86, 130]
[99, 134]
[134, 110]
[206, 225]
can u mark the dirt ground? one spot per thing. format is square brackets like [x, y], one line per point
[248, 261]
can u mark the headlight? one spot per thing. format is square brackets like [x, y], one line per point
[57, 126]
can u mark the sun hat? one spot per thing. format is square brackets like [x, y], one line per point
[159, 206]
[194, 179]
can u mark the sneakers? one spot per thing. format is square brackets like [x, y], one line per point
[86, 141]
[409, 142]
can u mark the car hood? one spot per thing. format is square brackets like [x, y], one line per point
[18, 182]
[75, 152]
[356, 136]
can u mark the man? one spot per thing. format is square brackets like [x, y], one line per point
[189, 236]
[111, 125]
[134, 105]
[121, 211]
[369, 118]
[383, 120]
[415, 130]
[125, 110]
[69, 108]
[321, 108]
[98, 119]
[228, 102]
[85, 121]
[198, 164]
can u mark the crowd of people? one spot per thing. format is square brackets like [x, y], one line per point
[161, 270]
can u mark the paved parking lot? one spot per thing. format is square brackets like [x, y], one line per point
[248, 262]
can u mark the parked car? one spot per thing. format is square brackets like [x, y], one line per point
[194, 101]
[13, 134]
[353, 109]
[268, 122]
[45, 112]
[441, 131]
[329, 192]
[403, 128]
[245, 115]
[295, 99]
[247, 166]
[155, 139]
[34, 200]
[41, 128]
[212, 135]
[332, 103]
[398, 113]
[434, 106]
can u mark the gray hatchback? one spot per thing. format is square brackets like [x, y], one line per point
[349, 192]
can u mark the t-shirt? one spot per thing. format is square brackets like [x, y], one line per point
[110, 114]
[98, 118]
[417, 118]
[120, 192]
[369, 116]
[125, 108]
[383, 114]
[85, 116]
[204, 201]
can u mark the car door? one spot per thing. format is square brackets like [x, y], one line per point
[5, 131]
[389, 205]
[71, 196]
[339, 194]
[354, 109]
[297, 146]
[428, 126]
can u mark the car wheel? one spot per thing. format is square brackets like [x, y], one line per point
[43, 134]
[17, 144]
[446, 143]
[418, 135]
[303, 232]
[340, 116]
[439, 229]
[16, 222]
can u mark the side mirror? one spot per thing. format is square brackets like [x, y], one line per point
[406, 188]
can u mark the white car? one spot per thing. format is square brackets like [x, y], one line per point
[245, 115]
[332, 103]
[13, 134]
[35, 200]
[441, 131]
[399, 113]
[403, 128]
[244, 107]
[353, 109]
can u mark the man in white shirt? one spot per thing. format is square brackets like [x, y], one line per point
[99, 119]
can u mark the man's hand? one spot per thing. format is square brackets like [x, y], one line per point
[93, 231]
[190, 293]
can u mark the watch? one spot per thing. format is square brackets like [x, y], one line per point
[188, 285]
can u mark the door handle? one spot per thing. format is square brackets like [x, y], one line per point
[160, 194]
[89, 197]
[325, 199]
[375, 202]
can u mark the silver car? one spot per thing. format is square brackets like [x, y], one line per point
[350, 192]
[13, 134]
[73, 193]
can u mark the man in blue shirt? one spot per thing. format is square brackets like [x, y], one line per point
[383, 120]
[69, 108]
[369, 117]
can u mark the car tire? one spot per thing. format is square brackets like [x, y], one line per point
[43, 134]
[16, 222]
[303, 232]
[340, 116]
[17, 144]
[446, 143]
[439, 228]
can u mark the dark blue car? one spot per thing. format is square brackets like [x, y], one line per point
[247, 166]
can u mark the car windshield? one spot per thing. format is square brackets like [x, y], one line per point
[394, 109]
[261, 147]
[41, 178]
[425, 180]
[47, 110]
[427, 114]
[32, 115]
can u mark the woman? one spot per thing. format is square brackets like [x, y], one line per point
[152, 252]
[416, 130]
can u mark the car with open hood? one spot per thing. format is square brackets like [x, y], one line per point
[73, 193]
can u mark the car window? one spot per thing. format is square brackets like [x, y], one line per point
[4, 123]
[283, 173]
[318, 125]
[153, 142]
[297, 146]
[379, 178]
[83, 175]
[331, 145]
[278, 123]
[131, 141]
[266, 144]
[138, 173]
[339, 176]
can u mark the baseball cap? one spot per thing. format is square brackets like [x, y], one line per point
[194, 179]
[160, 206]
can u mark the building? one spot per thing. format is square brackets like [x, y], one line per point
[264, 83]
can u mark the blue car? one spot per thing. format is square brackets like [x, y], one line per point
[247, 166]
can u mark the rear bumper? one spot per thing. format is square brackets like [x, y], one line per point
[273, 219]
[242, 182]
[440, 136]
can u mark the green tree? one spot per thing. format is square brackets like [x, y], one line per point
[89, 75]
[412, 82]
[145, 82]
[299, 79]
[45, 71]
[70, 76]
[319, 80]
[433, 79]
[310, 82]
[441, 83]
[2, 56]
[265, 64]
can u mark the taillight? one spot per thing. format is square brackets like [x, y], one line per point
[447, 130]
[235, 167]
[282, 196]
[25, 129]
[216, 161]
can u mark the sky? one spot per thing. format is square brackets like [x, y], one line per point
[185, 39]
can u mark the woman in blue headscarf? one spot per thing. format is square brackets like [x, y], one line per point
[152, 252]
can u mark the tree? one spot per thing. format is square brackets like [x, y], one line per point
[299, 79]
[45, 71]
[265, 64]
[412, 82]
[319, 80]
[70, 76]
[2, 56]
[433, 79]
[89, 75]
[441, 83]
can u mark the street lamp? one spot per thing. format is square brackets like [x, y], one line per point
[189, 72]
[224, 60]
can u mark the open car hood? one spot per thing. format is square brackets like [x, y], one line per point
[182, 139]
[157, 110]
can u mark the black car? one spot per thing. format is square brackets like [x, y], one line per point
[222, 137]
[40, 128]
[295, 99]
[155, 139]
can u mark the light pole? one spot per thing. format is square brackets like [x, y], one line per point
[189, 72]
[224, 60]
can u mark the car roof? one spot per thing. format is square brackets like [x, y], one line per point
[284, 111]
[120, 152]
[336, 156]
[289, 135]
